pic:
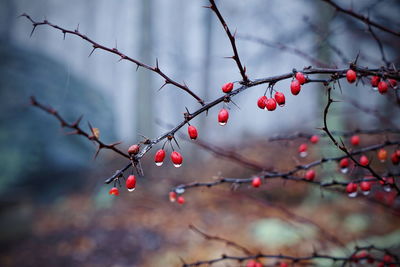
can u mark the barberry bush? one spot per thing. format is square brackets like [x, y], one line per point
[344, 168]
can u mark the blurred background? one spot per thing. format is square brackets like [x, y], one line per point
[55, 209]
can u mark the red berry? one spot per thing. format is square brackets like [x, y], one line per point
[262, 102]
[223, 116]
[355, 140]
[382, 87]
[280, 98]
[180, 200]
[395, 158]
[344, 163]
[351, 76]
[295, 87]
[114, 191]
[364, 160]
[192, 131]
[226, 88]
[301, 78]
[310, 175]
[253, 263]
[283, 264]
[302, 148]
[172, 196]
[271, 104]
[351, 188]
[382, 154]
[256, 182]
[365, 186]
[176, 159]
[159, 157]
[314, 139]
[131, 182]
[392, 83]
[133, 149]
[375, 81]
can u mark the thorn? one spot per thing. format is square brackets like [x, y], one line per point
[115, 144]
[157, 68]
[97, 152]
[64, 33]
[176, 142]
[137, 67]
[77, 29]
[33, 29]
[235, 104]
[94, 48]
[162, 87]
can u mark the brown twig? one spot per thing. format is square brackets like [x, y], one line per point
[231, 37]
[77, 130]
[361, 18]
[115, 51]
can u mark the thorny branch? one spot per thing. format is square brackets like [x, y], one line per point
[115, 51]
[77, 130]
[342, 146]
[289, 175]
[306, 259]
[335, 75]
[335, 133]
[361, 18]
[231, 37]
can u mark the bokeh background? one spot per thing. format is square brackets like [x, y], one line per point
[55, 209]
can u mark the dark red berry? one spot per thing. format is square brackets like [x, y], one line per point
[375, 81]
[314, 139]
[351, 76]
[382, 87]
[364, 161]
[301, 78]
[176, 159]
[159, 157]
[392, 83]
[355, 140]
[256, 182]
[133, 149]
[303, 148]
[280, 98]
[344, 163]
[395, 158]
[271, 104]
[295, 87]
[223, 116]
[365, 186]
[114, 191]
[226, 88]
[180, 200]
[351, 188]
[172, 196]
[262, 102]
[310, 175]
[131, 182]
[192, 131]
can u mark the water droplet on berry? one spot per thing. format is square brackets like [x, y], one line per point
[177, 165]
[222, 123]
[282, 105]
[344, 170]
[303, 154]
[159, 163]
[131, 189]
[180, 190]
[354, 194]
[374, 89]
[387, 188]
[366, 193]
